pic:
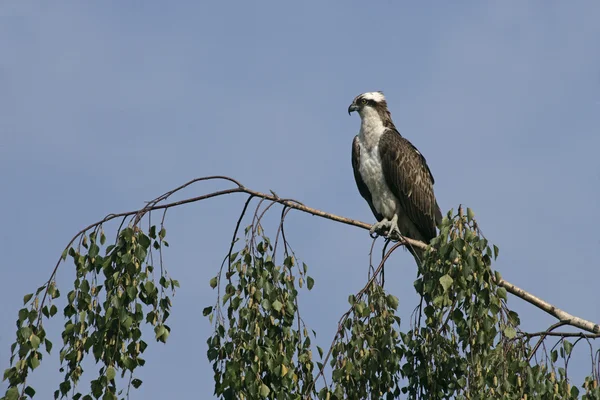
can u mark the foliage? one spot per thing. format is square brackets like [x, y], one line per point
[461, 342]
[262, 347]
[112, 296]
[464, 342]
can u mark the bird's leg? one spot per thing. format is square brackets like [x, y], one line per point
[394, 231]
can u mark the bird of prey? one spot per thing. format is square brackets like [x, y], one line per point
[392, 175]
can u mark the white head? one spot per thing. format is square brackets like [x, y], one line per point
[377, 97]
[372, 108]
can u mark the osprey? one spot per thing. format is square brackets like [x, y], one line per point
[392, 175]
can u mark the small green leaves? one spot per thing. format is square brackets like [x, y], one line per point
[105, 307]
[12, 394]
[258, 313]
[277, 305]
[392, 301]
[369, 338]
[110, 373]
[264, 390]
[35, 341]
[510, 332]
[470, 214]
[136, 383]
[29, 391]
[27, 297]
[568, 346]
[34, 361]
[501, 292]
[213, 282]
[446, 282]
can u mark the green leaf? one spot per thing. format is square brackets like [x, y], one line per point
[310, 282]
[27, 297]
[501, 292]
[8, 373]
[496, 251]
[48, 345]
[149, 286]
[23, 314]
[35, 362]
[277, 305]
[568, 347]
[29, 391]
[213, 282]
[510, 332]
[136, 383]
[35, 341]
[266, 304]
[207, 310]
[470, 214]
[446, 282]
[110, 373]
[392, 301]
[574, 392]
[12, 394]
[264, 390]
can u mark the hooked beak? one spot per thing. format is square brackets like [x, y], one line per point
[353, 107]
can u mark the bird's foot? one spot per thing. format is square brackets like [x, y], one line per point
[394, 231]
[380, 228]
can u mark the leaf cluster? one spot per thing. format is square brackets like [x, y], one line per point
[112, 296]
[261, 348]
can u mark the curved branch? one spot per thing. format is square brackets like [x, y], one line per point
[559, 314]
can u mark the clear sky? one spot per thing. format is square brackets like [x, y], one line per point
[105, 105]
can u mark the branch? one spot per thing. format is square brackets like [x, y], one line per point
[563, 334]
[561, 315]
[557, 313]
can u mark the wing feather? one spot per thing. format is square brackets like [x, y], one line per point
[409, 178]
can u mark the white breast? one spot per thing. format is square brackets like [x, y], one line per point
[370, 170]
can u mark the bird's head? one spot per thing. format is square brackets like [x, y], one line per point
[370, 101]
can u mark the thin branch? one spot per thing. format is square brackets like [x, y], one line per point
[154, 205]
[563, 334]
[543, 335]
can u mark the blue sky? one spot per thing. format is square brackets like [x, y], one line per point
[105, 105]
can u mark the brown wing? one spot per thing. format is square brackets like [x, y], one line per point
[362, 187]
[409, 178]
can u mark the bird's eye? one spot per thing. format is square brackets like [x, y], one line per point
[364, 101]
